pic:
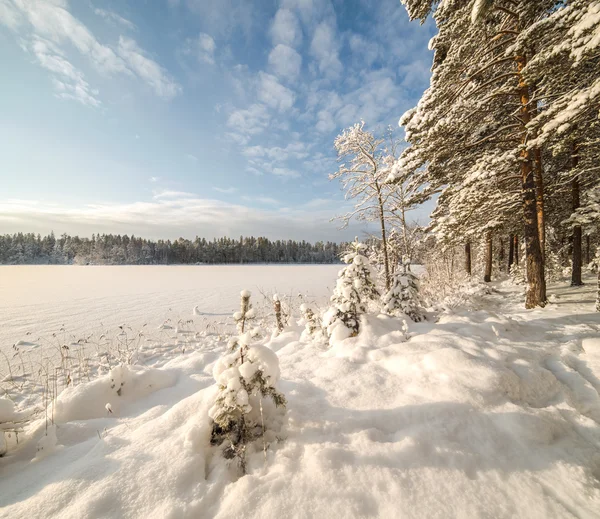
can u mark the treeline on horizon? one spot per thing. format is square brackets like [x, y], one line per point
[110, 249]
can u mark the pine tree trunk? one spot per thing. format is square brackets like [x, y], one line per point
[539, 199]
[386, 261]
[405, 238]
[501, 255]
[536, 284]
[587, 249]
[488, 258]
[577, 256]
[468, 258]
[511, 251]
[516, 248]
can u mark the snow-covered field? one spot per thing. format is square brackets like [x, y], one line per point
[40, 300]
[492, 412]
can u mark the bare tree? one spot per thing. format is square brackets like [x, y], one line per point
[363, 179]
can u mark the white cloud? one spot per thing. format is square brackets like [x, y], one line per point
[325, 122]
[225, 190]
[285, 62]
[249, 122]
[273, 93]
[168, 194]
[9, 15]
[364, 50]
[296, 150]
[154, 179]
[51, 22]
[224, 17]
[69, 83]
[147, 69]
[285, 29]
[171, 216]
[285, 172]
[113, 17]
[324, 47]
[261, 199]
[203, 48]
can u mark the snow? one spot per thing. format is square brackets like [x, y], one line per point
[490, 411]
[41, 300]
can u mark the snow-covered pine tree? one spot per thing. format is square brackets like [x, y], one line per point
[245, 376]
[312, 324]
[403, 297]
[355, 288]
[246, 313]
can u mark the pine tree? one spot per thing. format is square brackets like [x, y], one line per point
[355, 288]
[403, 298]
[245, 376]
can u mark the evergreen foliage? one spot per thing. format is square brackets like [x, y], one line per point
[355, 288]
[403, 297]
[245, 376]
[109, 249]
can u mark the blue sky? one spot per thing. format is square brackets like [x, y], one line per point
[168, 118]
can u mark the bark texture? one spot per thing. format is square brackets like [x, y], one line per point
[488, 258]
[536, 284]
[468, 258]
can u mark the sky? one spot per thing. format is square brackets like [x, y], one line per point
[169, 118]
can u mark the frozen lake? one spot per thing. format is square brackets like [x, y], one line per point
[41, 299]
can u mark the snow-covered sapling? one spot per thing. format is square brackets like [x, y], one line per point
[244, 376]
[279, 317]
[311, 321]
[403, 297]
[246, 312]
[354, 289]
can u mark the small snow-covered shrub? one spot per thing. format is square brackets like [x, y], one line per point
[245, 376]
[403, 297]
[246, 312]
[312, 324]
[280, 316]
[354, 289]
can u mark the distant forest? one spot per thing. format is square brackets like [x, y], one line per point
[109, 249]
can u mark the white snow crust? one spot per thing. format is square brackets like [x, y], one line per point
[486, 412]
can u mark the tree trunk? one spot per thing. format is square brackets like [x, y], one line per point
[576, 257]
[405, 237]
[598, 294]
[386, 261]
[488, 258]
[511, 251]
[536, 284]
[516, 247]
[501, 255]
[539, 200]
[468, 258]
[587, 249]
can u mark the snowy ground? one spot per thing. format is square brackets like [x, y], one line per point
[40, 300]
[486, 413]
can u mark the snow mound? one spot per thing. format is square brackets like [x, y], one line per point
[480, 414]
[123, 385]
